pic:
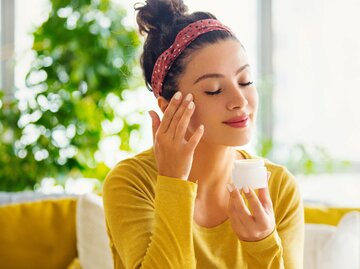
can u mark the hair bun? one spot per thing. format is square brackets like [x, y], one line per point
[156, 13]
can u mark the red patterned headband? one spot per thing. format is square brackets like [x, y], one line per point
[182, 40]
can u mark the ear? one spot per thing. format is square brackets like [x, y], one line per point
[162, 103]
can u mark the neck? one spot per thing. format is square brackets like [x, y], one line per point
[212, 165]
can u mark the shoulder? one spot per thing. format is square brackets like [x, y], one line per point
[284, 192]
[285, 196]
[280, 175]
[141, 162]
[281, 182]
[137, 172]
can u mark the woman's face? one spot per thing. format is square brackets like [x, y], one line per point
[218, 76]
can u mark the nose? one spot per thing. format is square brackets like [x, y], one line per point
[236, 98]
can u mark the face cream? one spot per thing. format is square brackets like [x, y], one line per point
[249, 172]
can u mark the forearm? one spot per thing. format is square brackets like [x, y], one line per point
[171, 243]
[266, 253]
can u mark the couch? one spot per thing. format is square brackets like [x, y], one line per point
[68, 232]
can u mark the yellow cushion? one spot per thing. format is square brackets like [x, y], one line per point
[38, 234]
[326, 215]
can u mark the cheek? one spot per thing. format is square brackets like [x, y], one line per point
[199, 117]
[253, 99]
[196, 119]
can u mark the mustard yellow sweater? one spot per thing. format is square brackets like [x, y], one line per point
[150, 223]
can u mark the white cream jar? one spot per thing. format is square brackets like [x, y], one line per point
[249, 172]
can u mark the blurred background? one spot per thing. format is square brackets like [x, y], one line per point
[73, 101]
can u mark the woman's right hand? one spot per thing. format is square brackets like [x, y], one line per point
[173, 153]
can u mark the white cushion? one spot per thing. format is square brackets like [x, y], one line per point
[333, 247]
[342, 249]
[92, 240]
[315, 237]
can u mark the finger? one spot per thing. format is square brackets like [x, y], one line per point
[170, 111]
[237, 203]
[155, 122]
[179, 114]
[265, 199]
[254, 203]
[184, 121]
[195, 138]
[233, 214]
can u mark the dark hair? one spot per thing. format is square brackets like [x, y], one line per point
[162, 20]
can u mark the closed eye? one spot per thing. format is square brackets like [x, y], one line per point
[246, 84]
[220, 90]
[213, 93]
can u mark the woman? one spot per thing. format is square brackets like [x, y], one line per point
[173, 205]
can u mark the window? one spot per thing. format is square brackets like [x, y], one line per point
[314, 61]
[1, 42]
[7, 45]
[28, 15]
[316, 66]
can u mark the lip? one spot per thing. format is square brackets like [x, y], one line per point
[238, 122]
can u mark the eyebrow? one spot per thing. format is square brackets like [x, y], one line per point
[215, 75]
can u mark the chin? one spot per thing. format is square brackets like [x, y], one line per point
[239, 143]
[240, 140]
[232, 141]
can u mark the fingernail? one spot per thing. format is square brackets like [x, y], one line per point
[191, 105]
[177, 95]
[246, 189]
[229, 187]
[188, 97]
[201, 127]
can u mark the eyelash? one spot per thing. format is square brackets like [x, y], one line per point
[241, 84]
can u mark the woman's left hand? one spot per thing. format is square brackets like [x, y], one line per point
[257, 221]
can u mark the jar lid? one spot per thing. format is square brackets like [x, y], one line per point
[249, 163]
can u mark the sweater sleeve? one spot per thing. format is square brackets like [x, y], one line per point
[284, 247]
[148, 231]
